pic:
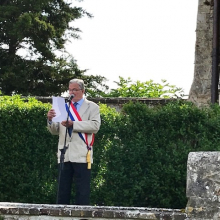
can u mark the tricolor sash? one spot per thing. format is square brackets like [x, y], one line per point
[74, 116]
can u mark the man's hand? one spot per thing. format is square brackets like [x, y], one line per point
[67, 124]
[51, 114]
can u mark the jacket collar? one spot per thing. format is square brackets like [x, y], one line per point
[84, 107]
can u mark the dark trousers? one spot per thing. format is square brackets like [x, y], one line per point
[81, 176]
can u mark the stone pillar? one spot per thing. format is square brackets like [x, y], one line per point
[203, 186]
[200, 92]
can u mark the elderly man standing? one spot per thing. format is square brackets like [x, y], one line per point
[83, 123]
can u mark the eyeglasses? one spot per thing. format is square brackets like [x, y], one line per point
[74, 90]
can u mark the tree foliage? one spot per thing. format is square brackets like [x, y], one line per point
[147, 89]
[31, 34]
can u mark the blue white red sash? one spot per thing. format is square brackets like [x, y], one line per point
[74, 116]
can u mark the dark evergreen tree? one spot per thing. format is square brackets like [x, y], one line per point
[40, 28]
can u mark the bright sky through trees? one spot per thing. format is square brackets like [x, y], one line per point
[141, 39]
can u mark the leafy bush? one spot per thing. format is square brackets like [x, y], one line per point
[28, 152]
[147, 89]
[146, 154]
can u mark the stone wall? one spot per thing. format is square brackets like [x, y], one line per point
[200, 92]
[19, 211]
[117, 103]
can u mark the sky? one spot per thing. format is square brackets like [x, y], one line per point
[141, 39]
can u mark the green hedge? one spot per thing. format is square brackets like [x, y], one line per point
[140, 154]
[27, 159]
[144, 153]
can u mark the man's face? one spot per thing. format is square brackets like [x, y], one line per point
[76, 91]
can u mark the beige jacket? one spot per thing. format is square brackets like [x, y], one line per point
[77, 149]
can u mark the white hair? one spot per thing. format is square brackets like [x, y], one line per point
[80, 82]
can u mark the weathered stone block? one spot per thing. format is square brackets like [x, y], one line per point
[19, 211]
[203, 185]
[203, 172]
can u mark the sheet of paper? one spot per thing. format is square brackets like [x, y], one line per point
[60, 109]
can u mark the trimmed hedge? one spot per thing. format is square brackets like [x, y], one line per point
[145, 152]
[27, 159]
[140, 154]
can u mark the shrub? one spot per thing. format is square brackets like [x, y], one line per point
[28, 152]
[146, 158]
